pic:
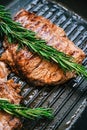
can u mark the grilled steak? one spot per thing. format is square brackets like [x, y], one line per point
[33, 67]
[9, 90]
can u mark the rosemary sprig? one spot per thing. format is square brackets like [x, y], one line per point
[20, 111]
[16, 33]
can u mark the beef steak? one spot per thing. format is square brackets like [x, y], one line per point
[32, 67]
[9, 90]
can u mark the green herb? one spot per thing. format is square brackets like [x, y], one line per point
[20, 111]
[16, 33]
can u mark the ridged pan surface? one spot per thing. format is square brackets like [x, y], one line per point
[63, 99]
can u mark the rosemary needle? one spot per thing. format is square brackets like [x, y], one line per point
[20, 111]
[16, 33]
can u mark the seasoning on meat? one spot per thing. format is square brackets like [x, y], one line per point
[9, 90]
[32, 67]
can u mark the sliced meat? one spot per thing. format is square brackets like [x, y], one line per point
[9, 90]
[7, 122]
[32, 67]
[3, 72]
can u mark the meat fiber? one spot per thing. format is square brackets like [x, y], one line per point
[32, 67]
[9, 90]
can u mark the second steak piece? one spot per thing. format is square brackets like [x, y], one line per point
[10, 91]
[33, 67]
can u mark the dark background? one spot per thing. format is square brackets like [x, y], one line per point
[78, 6]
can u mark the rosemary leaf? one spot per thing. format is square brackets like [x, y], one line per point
[20, 111]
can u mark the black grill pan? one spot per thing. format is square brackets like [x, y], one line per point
[68, 100]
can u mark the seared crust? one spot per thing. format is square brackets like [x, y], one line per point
[34, 68]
